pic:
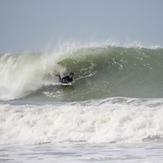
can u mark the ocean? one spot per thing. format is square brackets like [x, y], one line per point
[112, 112]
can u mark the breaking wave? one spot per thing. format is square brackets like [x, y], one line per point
[100, 72]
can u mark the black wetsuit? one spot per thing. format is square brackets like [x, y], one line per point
[66, 79]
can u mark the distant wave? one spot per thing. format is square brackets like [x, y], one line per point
[101, 71]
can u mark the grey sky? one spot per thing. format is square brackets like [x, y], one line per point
[33, 24]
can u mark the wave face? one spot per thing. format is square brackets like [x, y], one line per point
[100, 72]
[113, 120]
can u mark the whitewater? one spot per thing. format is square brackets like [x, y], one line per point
[111, 113]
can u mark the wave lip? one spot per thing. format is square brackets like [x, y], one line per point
[103, 121]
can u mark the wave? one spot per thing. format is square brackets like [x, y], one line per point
[100, 72]
[113, 120]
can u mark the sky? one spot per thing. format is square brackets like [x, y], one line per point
[34, 24]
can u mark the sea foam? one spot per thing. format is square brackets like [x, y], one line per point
[113, 120]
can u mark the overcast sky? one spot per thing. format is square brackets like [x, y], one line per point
[34, 24]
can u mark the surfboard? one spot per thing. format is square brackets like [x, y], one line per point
[58, 84]
[65, 84]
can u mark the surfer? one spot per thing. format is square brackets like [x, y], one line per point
[66, 79]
